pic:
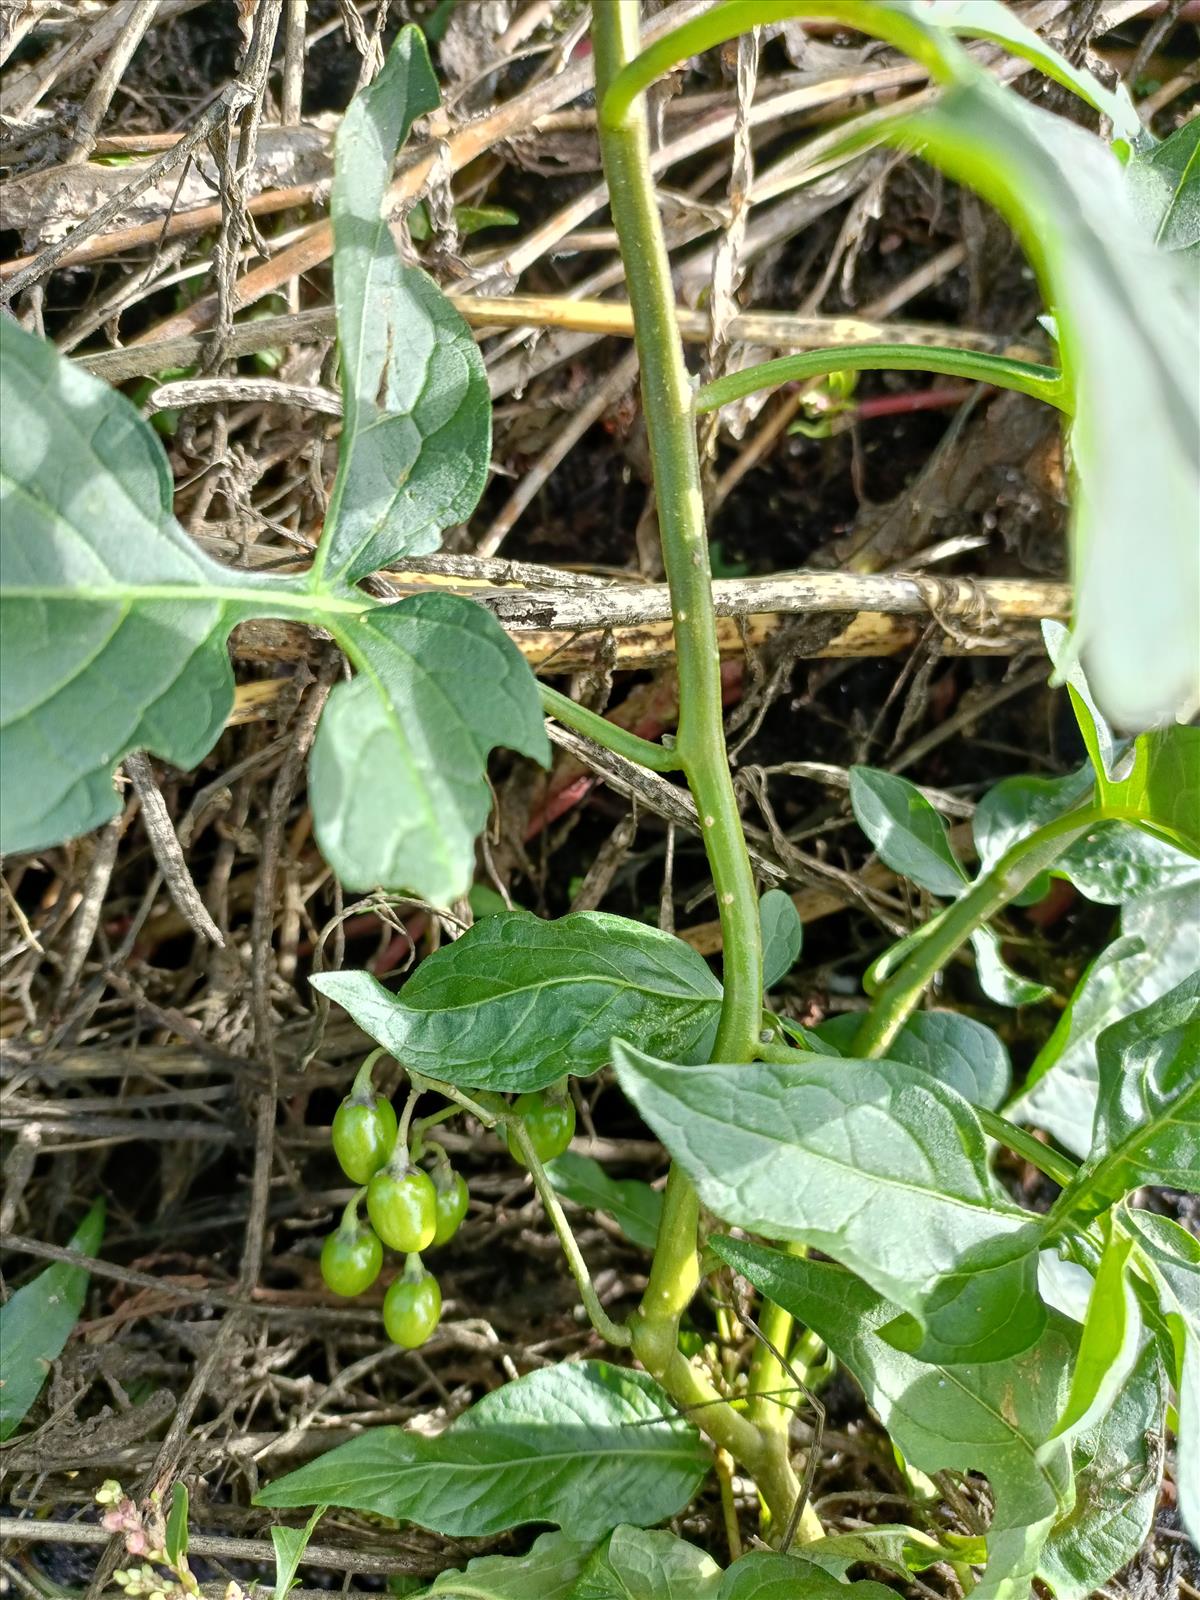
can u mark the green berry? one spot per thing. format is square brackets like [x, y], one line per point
[412, 1306]
[549, 1122]
[364, 1135]
[452, 1199]
[352, 1255]
[402, 1206]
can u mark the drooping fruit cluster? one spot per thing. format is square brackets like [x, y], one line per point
[408, 1211]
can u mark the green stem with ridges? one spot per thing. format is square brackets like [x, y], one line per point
[699, 747]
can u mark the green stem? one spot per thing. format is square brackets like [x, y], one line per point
[615, 1332]
[1052, 1162]
[1043, 383]
[937, 52]
[362, 1091]
[667, 397]
[989, 894]
[619, 740]
[700, 744]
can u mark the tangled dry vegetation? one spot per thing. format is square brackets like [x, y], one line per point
[168, 166]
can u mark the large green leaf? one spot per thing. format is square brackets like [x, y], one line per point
[1065, 195]
[632, 1204]
[517, 1002]
[36, 1322]
[112, 623]
[1118, 1468]
[992, 1418]
[417, 429]
[1147, 1127]
[956, 1050]
[873, 1162]
[641, 1565]
[1160, 937]
[908, 834]
[1173, 1258]
[580, 1445]
[398, 776]
[550, 1571]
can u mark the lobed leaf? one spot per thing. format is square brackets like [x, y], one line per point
[874, 1163]
[36, 1322]
[112, 623]
[1147, 1127]
[579, 1445]
[991, 1418]
[398, 773]
[416, 434]
[516, 1003]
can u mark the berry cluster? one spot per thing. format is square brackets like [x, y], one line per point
[408, 1209]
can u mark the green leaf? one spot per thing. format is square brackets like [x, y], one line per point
[782, 935]
[874, 1163]
[897, 1549]
[640, 1565]
[1164, 785]
[1173, 1258]
[1118, 1469]
[579, 1445]
[954, 1049]
[175, 1541]
[762, 1575]
[997, 979]
[1110, 864]
[112, 623]
[1147, 1127]
[1165, 187]
[1136, 600]
[36, 1321]
[634, 1206]
[1108, 1348]
[290, 1545]
[1156, 950]
[550, 1571]
[398, 775]
[989, 19]
[417, 415]
[906, 831]
[517, 1002]
[991, 1418]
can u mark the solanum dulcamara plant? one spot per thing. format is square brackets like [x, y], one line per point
[1046, 1351]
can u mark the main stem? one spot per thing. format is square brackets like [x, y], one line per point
[700, 745]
